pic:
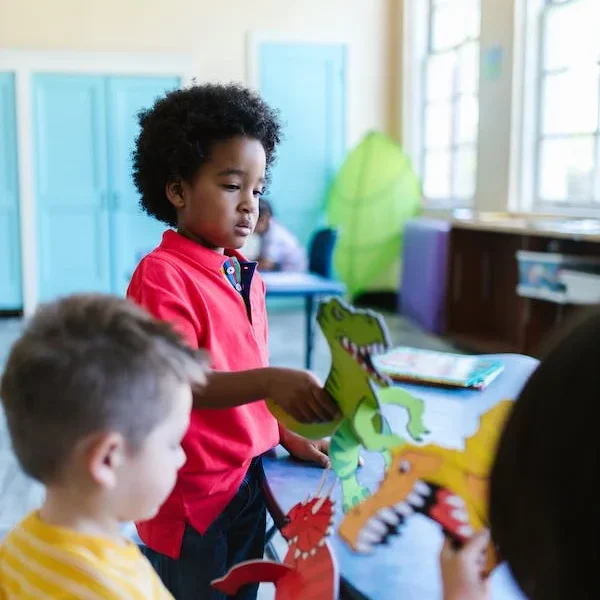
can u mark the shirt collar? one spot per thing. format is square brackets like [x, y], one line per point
[214, 261]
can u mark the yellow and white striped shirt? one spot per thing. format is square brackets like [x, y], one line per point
[40, 561]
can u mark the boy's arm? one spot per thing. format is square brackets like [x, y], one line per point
[225, 389]
[160, 289]
[296, 392]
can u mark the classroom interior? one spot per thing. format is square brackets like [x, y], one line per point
[452, 147]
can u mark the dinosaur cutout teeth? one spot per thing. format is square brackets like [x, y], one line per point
[416, 501]
[455, 501]
[404, 509]
[388, 520]
[364, 548]
[388, 516]
[372, 534]
[451, 512]
[460, 515]
[375, 527]
[422, 499]
[363, 354]
[422, 488]
[378, 529]
[439, 504]
[368, 536]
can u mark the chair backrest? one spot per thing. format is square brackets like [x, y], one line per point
[320, 256]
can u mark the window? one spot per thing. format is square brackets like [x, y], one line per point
[567, 139]
[450, 103]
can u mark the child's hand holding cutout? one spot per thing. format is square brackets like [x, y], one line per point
[300, 394]
[462, 569]
[300, 448]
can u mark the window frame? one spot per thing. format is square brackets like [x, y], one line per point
[418, 31]
[533, 105]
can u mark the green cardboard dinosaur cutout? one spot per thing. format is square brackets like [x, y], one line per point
[354, 336]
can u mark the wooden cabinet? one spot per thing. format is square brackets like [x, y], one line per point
[484, 313]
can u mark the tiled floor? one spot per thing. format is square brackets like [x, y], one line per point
[19, 495]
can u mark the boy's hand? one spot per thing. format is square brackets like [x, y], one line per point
[300, 448]
[300, 394]
[462, 569]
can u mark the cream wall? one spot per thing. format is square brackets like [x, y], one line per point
[215, 33]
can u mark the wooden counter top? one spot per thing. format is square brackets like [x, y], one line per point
[532, 225]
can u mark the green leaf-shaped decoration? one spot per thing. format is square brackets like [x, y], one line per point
[375, 192]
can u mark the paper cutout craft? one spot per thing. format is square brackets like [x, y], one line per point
[448, 486]
[354, 336]
[309, 570]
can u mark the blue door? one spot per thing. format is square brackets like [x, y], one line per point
[10, 238]
[71, 184]
[307, 83]
[133, 233]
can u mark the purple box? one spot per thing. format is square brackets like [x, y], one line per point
[422, 295]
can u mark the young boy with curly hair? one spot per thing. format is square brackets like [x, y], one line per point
[97, 397]
[201, 164]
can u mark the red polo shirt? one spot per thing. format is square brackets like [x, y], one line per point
[184, 283]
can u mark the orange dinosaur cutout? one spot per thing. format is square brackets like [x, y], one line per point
[448, 486]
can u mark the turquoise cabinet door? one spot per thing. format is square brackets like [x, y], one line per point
[71, 184]
[307, 83]
[10, 239]
[133, 232]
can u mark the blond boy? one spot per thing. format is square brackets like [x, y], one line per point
[97, 397]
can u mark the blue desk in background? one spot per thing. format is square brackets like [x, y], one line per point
[304, 285]
[409, 566]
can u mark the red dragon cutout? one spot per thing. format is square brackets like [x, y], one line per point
[309, 570]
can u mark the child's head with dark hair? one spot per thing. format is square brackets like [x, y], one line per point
[265, 213]
[265, 208]
[201, 161]
[97, 397]
[543, 493]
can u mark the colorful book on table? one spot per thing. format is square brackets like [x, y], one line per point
[412, 365]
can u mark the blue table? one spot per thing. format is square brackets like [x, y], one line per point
[305, 285]
[409, 566]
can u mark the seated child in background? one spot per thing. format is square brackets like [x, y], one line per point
[97, 397]
[279, 250]
[200, 165]
[543, 494]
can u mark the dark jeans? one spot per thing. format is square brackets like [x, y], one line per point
[237, 535]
